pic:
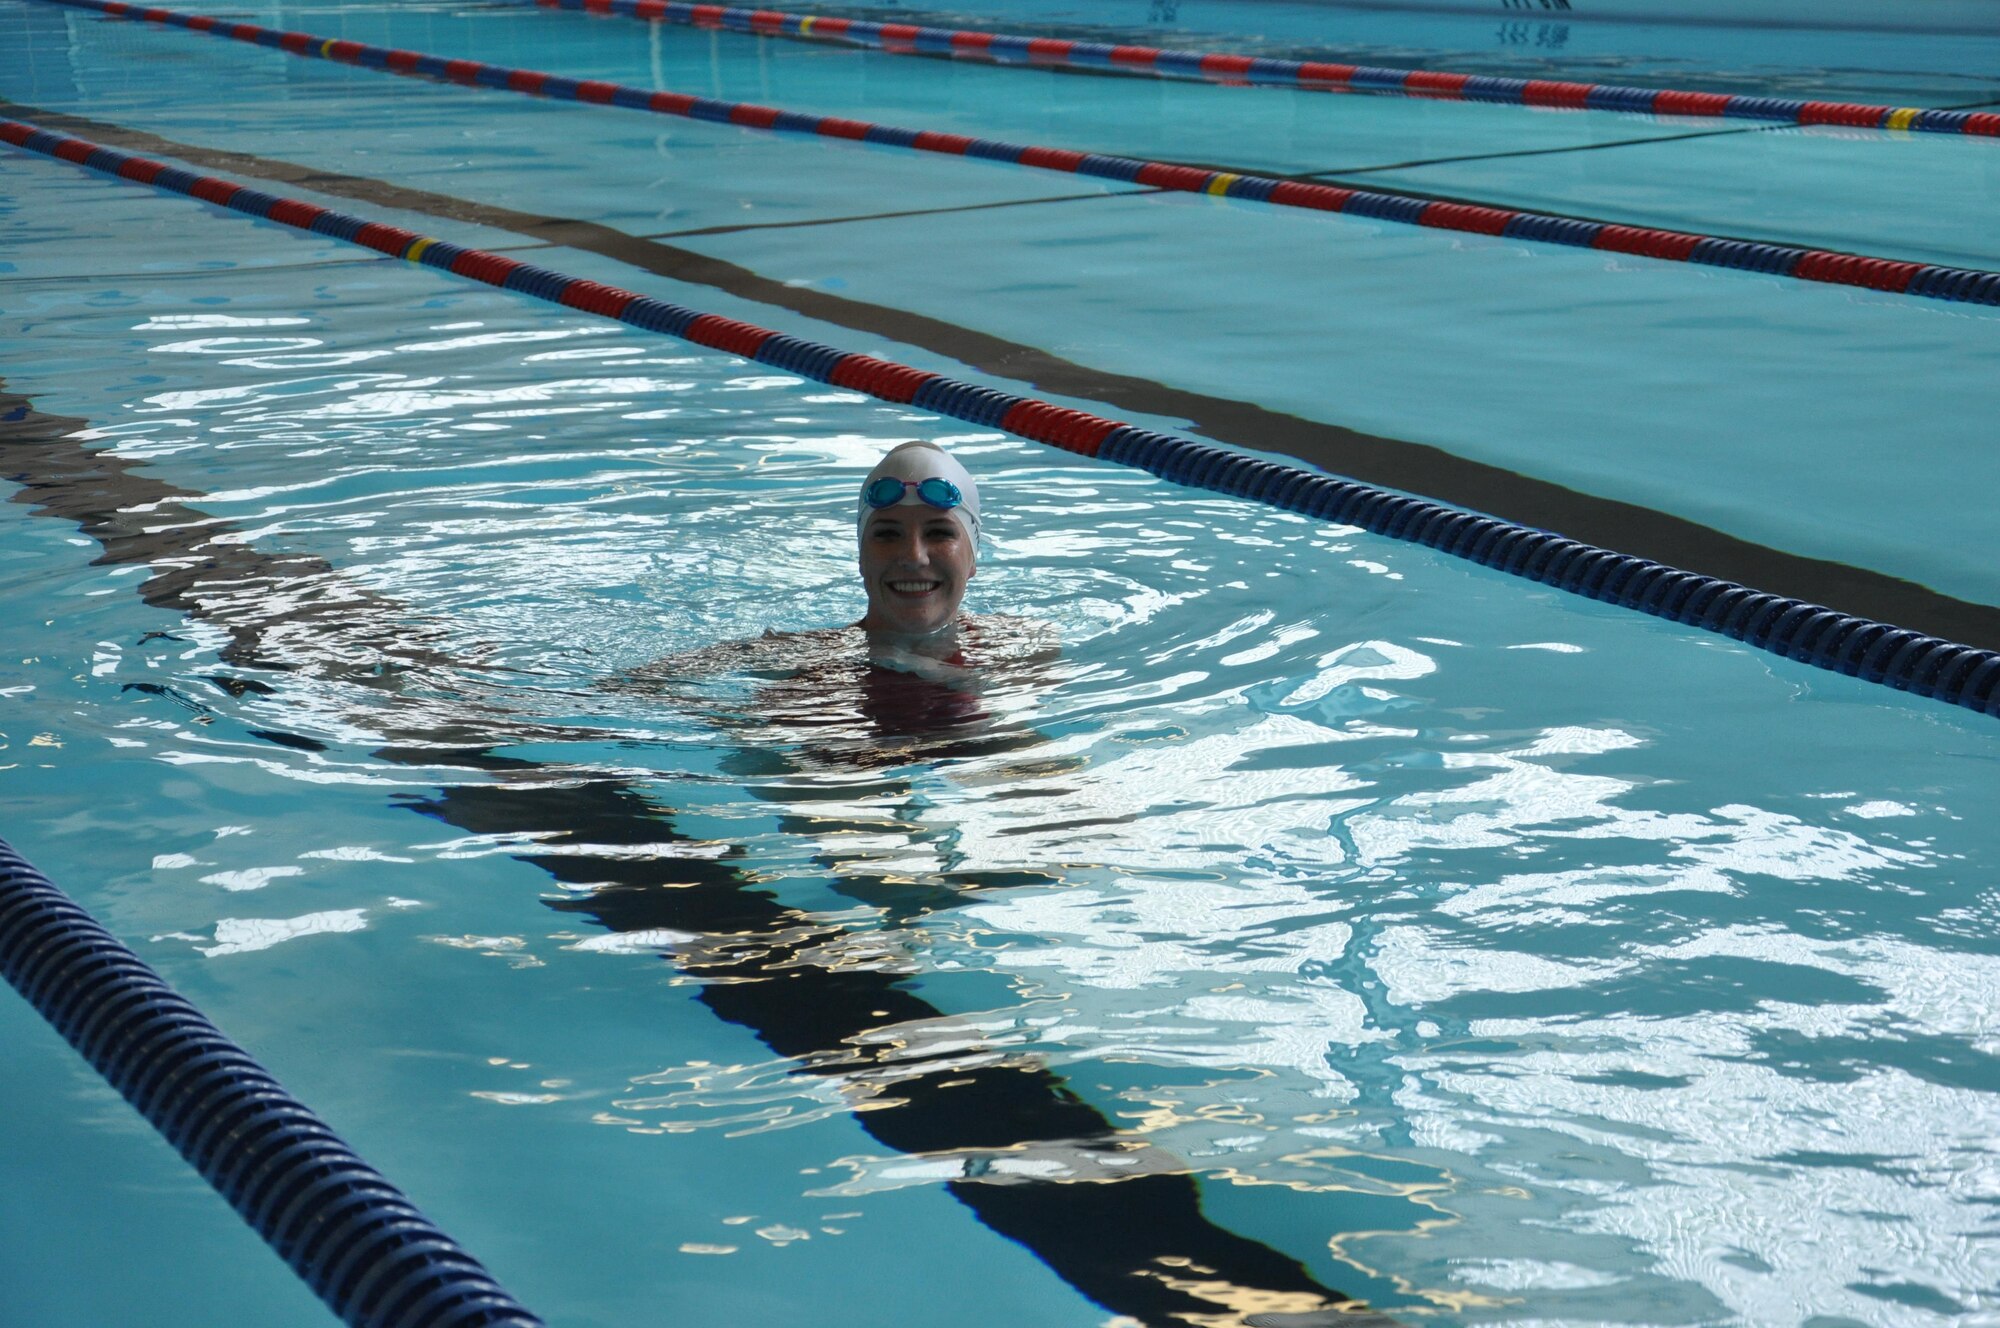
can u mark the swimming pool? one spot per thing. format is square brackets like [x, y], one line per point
[1482, 952]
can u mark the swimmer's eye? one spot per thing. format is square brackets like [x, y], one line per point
[932, 530]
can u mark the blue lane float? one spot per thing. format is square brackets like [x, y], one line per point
[350, 1234]
[1813, 634]
[1312, 75]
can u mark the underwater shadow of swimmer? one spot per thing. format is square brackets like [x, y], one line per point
[1116, 1216]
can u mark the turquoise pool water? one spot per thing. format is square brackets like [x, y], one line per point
[1331, 919]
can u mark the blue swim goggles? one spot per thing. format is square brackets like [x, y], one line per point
[888, 491]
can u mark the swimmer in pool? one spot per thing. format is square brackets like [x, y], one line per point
[919, 530]
[914, 665]
[914, 686]
[918, 523]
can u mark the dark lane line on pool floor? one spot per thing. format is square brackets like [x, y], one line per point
[863, 217]
[1121, 1231]
[1418, 468]
[1323, 176]
[1417, 163]
[1327, 175]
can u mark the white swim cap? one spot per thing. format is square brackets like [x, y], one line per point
[916, 462]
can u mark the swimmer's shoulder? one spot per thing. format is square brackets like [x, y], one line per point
[1000, 638]
[978, 640]
[773, 654]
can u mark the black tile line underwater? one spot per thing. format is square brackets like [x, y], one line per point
[864, 217]
[1122, 1234]
[1328, 175]
[1418, 468]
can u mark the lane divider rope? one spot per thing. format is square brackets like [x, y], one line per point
[349, 1234]
[1796, 629]
[1314, 75]
[1831, 267]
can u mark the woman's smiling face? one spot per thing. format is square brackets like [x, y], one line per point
[915, 561]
